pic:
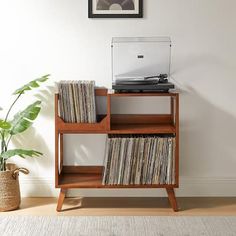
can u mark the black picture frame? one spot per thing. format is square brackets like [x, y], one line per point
[120, 15]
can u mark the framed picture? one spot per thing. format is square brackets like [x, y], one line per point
[115, 8]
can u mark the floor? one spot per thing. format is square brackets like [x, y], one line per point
[127, 206]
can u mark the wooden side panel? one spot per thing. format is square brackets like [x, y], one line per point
[172, 109]
[101, 92]
[108, 111]
[177, 140]
[56, 139]
[61, 152]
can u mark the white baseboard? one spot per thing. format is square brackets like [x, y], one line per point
[189, 187]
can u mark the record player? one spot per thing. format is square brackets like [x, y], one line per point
[141, 64]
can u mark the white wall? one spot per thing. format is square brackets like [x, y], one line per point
[56, 37]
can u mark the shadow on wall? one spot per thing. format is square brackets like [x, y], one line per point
[31, 138]
[46, 95]
[207, 138]
[38, 188]
[85, 149]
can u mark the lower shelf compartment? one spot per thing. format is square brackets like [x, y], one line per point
[94, 180]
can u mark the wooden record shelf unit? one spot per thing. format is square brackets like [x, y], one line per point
[68, 177]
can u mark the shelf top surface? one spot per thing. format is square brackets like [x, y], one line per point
[104, 92]
[141, 128]
[91, 180]
[147, 94]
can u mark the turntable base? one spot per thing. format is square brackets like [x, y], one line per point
[159, 87]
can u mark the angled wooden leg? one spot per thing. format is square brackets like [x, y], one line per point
[172, 198]
[61, 199]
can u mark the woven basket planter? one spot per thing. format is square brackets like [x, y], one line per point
[9, 187]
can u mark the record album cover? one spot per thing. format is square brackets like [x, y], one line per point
[115, 8]
[115, 5]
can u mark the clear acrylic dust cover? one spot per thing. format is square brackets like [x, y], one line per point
[140, 57]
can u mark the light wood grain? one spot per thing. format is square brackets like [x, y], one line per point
[127, 207]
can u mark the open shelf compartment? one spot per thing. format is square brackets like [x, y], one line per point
[142, 124]
[91, 177]
[99, 127]
[145, 123]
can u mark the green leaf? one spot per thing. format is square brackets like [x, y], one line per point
[20, 152]
[24, 119]
[4, 124]
[32, 84]
[43, 78]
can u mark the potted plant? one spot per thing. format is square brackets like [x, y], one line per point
[21, 121]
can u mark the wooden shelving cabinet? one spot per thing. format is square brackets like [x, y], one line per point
[68, 177]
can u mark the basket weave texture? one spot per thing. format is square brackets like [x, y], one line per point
[9, 188]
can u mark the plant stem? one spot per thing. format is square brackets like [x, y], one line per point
[12, 106]
[4, 145]
[3, 142]
[2, 164]
[8, 142]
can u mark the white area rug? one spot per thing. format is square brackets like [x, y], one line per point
[117, 226]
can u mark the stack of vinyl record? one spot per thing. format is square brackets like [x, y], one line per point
[139, 160]
[77, 101]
